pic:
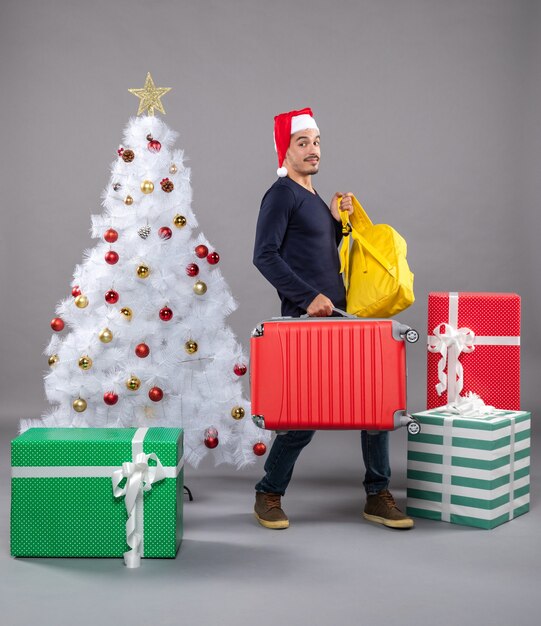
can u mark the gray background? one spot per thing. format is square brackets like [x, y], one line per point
[429, 113]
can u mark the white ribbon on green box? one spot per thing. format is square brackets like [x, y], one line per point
[451, 342]
[139, 475]
[510, 506]
[447, 457]
[447, 448]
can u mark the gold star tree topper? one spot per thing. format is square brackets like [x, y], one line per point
[150, 96]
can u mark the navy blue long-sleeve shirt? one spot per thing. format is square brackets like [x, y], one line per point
[296, 247]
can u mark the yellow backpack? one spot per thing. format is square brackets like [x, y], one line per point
[377, 277]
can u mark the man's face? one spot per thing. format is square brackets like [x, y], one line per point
[303, 153]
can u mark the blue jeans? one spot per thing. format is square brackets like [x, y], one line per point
[286, 449]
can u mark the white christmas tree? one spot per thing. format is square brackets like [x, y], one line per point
[142, 341]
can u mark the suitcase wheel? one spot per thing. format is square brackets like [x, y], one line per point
[414, 428]
[412, 336]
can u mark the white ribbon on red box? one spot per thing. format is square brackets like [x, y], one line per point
[450, 341]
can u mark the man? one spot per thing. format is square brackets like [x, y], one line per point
[296, 249]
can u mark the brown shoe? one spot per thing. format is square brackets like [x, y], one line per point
[381, 508]
[268, 511]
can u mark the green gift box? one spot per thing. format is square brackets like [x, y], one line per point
[469, 470]
[97, 492]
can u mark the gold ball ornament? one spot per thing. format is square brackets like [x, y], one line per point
[133, 383]
[128, 200]
[191, 346]
[106, 336]
[173, 169]
[53, 359]
[81, 302]
[147, 186]
[79, 405]
[85, 362]
[200, 288]
[143, 271]
[179, 221]
[126, 312]
[237, 413]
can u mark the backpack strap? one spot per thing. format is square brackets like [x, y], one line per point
[359, 218]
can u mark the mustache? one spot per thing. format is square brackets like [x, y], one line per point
[312, 156]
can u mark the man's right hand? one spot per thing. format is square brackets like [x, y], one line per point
[346, 205]
[320, 306]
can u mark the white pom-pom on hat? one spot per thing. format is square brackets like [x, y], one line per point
[282, 172]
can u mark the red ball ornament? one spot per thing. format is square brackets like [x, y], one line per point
[57, 324]
[111, 296]
[259, 448]
[76, 291]
[142, 350]
[192, 269]
[155, 394]
[201, 251]
[211, 442]
[110, 398]
[111, 257]
[213, 258]
[154, 145]
[165, 232]
[166, 314]
[110, 235]
[240, 369]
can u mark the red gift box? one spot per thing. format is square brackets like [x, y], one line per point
[474, 345]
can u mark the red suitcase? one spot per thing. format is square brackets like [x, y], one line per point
[330, 373]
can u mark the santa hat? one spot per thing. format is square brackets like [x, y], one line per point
[285, 125]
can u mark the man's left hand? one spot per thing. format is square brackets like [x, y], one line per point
[346, 205]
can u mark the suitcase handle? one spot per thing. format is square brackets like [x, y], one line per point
[342, 313]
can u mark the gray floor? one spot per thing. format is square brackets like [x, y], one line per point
[329, 567]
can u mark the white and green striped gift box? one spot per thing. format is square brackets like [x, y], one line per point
[469, 470]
